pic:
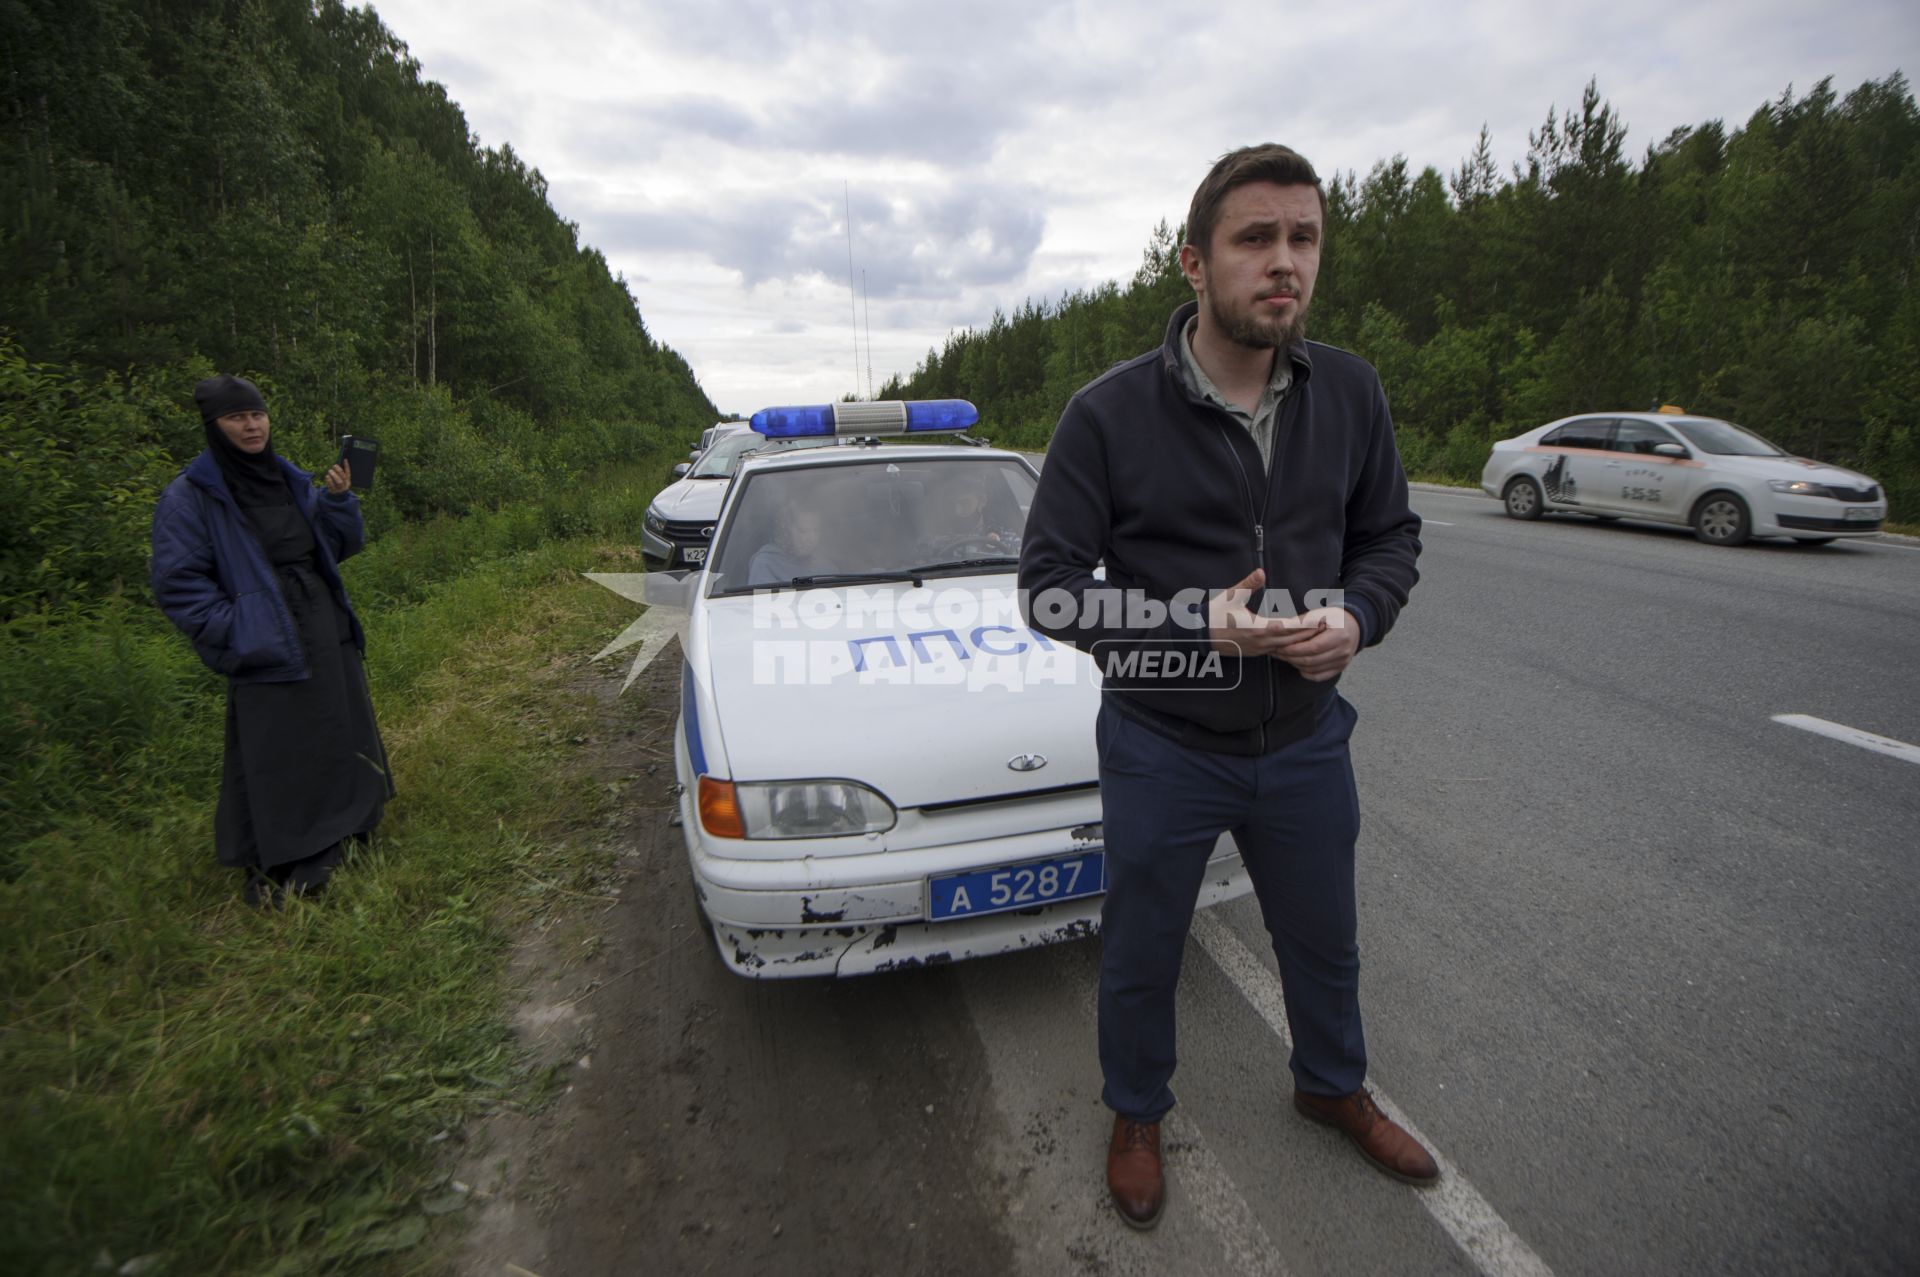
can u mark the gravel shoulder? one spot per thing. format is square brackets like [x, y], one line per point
[708, 1124]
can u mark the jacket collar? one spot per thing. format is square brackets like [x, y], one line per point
[204, 471]
[1170, 355]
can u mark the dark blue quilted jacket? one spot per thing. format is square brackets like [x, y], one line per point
[213, 580]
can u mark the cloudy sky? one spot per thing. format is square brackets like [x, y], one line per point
[996, 150]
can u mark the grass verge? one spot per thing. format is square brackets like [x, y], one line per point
[194, 1086]
[1442, 479]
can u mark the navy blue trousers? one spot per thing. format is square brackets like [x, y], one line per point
[1295, 815]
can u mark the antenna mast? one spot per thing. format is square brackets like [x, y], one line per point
[852, 309]
[867, 312]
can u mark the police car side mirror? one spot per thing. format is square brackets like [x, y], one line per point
[680, 471]
[1669, 450]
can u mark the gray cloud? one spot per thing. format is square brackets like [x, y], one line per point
[612, 135]
[917, 116]
[712, 116]
[762, 35]
[693, 138]
[922, 245]
[902, 116]
[467, 71]
[938, 84]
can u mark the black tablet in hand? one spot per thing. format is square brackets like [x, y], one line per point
[359, 453]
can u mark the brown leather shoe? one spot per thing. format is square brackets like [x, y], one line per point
[1378, 1138]
[1133, 1172]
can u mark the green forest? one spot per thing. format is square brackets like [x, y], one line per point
[1764, 274]
[269, 187]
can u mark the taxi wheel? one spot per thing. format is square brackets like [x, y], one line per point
[1523, 499]
[1721, 519]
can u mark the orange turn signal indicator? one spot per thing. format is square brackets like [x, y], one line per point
[720, 809]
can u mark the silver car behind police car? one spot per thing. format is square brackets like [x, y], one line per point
[680, 518]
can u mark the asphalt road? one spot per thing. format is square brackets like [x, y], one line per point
[1638, 962]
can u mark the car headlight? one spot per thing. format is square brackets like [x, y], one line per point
[655, 523]
[811, 809]
[1801, 488]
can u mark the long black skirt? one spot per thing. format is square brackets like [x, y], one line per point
[305, 767]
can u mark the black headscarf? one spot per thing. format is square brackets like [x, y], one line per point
[254, 478]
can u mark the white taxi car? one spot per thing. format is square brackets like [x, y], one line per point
[1723, 481]
[880, 765]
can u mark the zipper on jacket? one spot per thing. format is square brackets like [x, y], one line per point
[1258, 515]
[1287, 402]
[1246, 489]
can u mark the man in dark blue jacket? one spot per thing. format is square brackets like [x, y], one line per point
[1241, 487]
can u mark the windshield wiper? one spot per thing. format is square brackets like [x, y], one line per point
[994, 561]
[842, 578]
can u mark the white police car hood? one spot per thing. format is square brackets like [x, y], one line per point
[936, 703]
[688, 500]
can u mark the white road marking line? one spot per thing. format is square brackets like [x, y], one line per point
[1063, 1203]
[1852, 736]
[1454, 1203]
[1435, 523]
[1196, 1175]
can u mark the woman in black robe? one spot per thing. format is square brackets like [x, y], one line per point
[246, 560]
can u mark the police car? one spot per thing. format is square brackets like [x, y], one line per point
[680, 519]
[1723, 481]
[880, 765]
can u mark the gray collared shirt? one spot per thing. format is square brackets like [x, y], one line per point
[1259, 424]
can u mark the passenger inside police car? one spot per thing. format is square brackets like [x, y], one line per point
[795, 550]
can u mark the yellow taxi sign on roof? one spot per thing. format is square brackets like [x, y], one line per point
[1673, 410]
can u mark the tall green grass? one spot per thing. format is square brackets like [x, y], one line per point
[235, 1091]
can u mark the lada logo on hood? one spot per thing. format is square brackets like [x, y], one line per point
[1027, 762]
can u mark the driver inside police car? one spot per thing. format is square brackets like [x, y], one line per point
[959, 513]
[793, 552]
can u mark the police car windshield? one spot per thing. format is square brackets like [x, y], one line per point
[873, 519]
[1724, 439]
[723, 458]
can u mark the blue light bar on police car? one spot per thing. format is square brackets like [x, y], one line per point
[884, 417]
